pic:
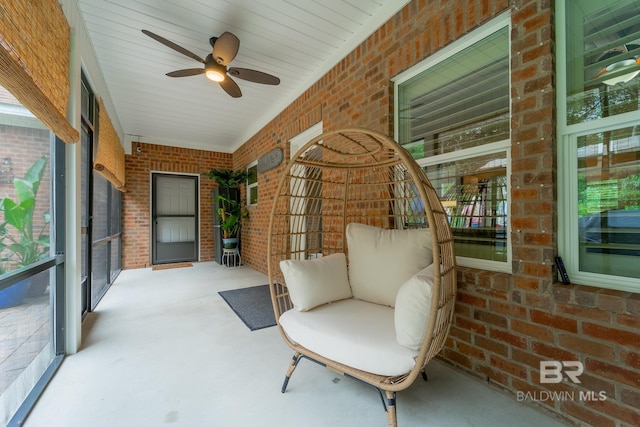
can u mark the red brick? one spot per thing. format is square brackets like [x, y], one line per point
[461, 334]
[555, 321]
[527, 358]
[470, 325]
[494, 375]
[629, 320]
[597, 384]
[458, 358]
[509, 309]
[586, 295]
[508, 338]
[612, 372]
[577, 344]
[584, 312]
[612, 300]
[509, 367]
[538, 300]
[586, 416]
[471, 351]
[527, 283]
[621, 337]
[613, 409]
[540, 239]
[552, 352]
[491, 345]
[631, 397]
[491, 318]
[630, 359]
[474, 300]
[633, 304]
[532, 330]
[524, 194]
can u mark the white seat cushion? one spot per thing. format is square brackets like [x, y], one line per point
[413, 307]
[381, 260]
[352, 332]
[316, 281]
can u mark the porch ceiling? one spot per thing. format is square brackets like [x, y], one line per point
[295, 41]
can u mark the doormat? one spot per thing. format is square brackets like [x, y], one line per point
[252, 305]
[168, 266]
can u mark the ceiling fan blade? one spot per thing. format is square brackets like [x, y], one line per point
[173, 46]
[254, 76]
[225, 48]
[186, 72]
[231, 87]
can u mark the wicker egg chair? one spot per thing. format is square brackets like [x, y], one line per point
[358, 176]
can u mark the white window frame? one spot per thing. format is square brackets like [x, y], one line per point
[567, 136]
[299, 242]
[251, 186]
[496, 24]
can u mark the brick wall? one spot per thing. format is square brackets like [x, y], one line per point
[505, 324]
[136, 208]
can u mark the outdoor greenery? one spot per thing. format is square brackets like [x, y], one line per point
[20, 243]
[230, 212]
[226, 178]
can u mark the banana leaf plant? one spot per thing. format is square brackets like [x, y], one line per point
[230, 212]
[20, 244]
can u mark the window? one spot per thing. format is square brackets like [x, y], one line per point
[599, 142]
[101, 212]
[454, 118]
[252, 184]
[31, 217]
[603, 44]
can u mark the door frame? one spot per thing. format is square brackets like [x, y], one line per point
[151, 205]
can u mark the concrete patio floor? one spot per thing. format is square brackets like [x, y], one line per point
[163, 348]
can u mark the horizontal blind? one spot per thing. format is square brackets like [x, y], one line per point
[460, 102]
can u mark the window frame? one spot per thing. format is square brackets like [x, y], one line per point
[55, 265]
[567, 172]
[252, 185]
[504, 146]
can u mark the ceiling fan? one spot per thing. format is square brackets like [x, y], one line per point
[215, 68]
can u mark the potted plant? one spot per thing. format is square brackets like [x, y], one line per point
[230, 211]
[229, 214]
[20, 244]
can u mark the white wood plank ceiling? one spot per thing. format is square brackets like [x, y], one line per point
[295, 40]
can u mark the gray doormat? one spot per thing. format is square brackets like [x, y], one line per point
[252, 305]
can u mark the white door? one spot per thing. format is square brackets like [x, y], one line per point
[175, 218]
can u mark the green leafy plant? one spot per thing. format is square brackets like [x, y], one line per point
[230, 212]
[230, 215]
[226, 178]
[20, 244]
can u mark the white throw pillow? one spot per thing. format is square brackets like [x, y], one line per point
[381, 260]
[316, 281]
[412, 310]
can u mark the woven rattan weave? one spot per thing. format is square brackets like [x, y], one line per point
[361, 176]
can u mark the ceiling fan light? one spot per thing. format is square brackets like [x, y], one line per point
[213, 70]
[215, 75]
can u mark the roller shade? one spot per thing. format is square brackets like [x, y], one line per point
[34, 61]
[109, 160]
